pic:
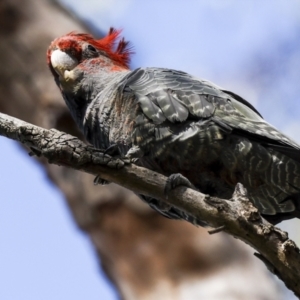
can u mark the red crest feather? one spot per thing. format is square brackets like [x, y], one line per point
[119, 53]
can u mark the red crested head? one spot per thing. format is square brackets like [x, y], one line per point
[77, 47]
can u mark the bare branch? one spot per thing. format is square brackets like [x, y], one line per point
[236, 216]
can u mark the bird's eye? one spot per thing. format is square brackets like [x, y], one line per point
[91, 48]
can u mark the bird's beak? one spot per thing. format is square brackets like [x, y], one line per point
[63, 63]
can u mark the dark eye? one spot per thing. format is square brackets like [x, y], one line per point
[91, 48]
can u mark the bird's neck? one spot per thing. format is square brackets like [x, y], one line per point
[87, 81]
[100, 106]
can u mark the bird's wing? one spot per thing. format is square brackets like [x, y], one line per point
[169, 95]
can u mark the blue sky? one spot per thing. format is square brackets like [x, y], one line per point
[249, 47]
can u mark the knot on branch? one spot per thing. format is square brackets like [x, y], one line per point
[268, 229]
[289, 247]
[240, 192]
[249, 213]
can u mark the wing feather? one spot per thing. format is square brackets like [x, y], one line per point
[175, 96]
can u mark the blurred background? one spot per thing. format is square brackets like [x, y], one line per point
[63, 238]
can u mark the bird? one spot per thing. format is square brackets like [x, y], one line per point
[171, 122]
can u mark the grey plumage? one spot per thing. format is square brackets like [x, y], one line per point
[173, 122]
[182, 124]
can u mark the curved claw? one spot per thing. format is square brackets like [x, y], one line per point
[134, 154]
[112, 150]
[99, 180]
[176, 180]
[35, 152]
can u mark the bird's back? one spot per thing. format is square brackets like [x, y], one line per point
[227, 144]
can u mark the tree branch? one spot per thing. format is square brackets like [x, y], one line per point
[236, 216]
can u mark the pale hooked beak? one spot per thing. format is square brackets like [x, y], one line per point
[62, 62]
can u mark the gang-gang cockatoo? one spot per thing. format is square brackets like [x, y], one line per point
[173, 122]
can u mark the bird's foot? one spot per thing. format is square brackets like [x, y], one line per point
[114, 153]
[112, 150]
[134, 153]
[35, 152]
[176, 180]
[101, 181]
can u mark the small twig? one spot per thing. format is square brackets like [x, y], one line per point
[216, 230]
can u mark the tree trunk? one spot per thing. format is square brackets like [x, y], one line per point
[144, 254]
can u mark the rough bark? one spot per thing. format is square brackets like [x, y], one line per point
[144, 254]
[236, 216]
